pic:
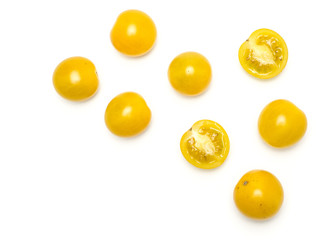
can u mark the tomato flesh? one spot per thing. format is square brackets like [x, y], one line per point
[264, 54]
[206, 145]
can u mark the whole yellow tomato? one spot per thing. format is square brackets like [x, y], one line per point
[282, 124]
[127, 115]
[264, 54]
[76, 79]
[205, 145]
[190, 73]
[134, 33]
[258, 194]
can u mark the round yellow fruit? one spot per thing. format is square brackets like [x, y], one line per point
[282, 124]
[76, 79]
[134, 33]
[127, 115]
[190, 73]
[258, 194]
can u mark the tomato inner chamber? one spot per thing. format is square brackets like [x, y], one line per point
[264, 53]
[205, 145]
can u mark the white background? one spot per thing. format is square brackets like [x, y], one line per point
[64, 176]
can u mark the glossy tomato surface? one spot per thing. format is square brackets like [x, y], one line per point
[190, 73]
[134, 33]
[282, 124]
[127, 115]
[205, 145]
[76, 79]
[258, 194]
[264, 54]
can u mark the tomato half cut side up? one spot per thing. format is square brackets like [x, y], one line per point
[264, 54]
[206, 145]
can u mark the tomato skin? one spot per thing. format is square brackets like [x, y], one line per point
[264, 54]
[127, 115]
[134, 33]
[76, 79]
[190, 73]
[282, 124]
[258, 194]
[206, 145]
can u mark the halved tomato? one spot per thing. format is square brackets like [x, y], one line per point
[205, 145]
[264, 54]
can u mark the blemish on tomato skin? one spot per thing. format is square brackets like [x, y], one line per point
[245, 183]
[190, 129]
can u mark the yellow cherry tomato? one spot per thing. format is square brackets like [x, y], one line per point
[264, 54]
[134, 33]
[258, 194]
[76, 79]
[282, 124]
[127, 115]
[205, 145]
[190, 73]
